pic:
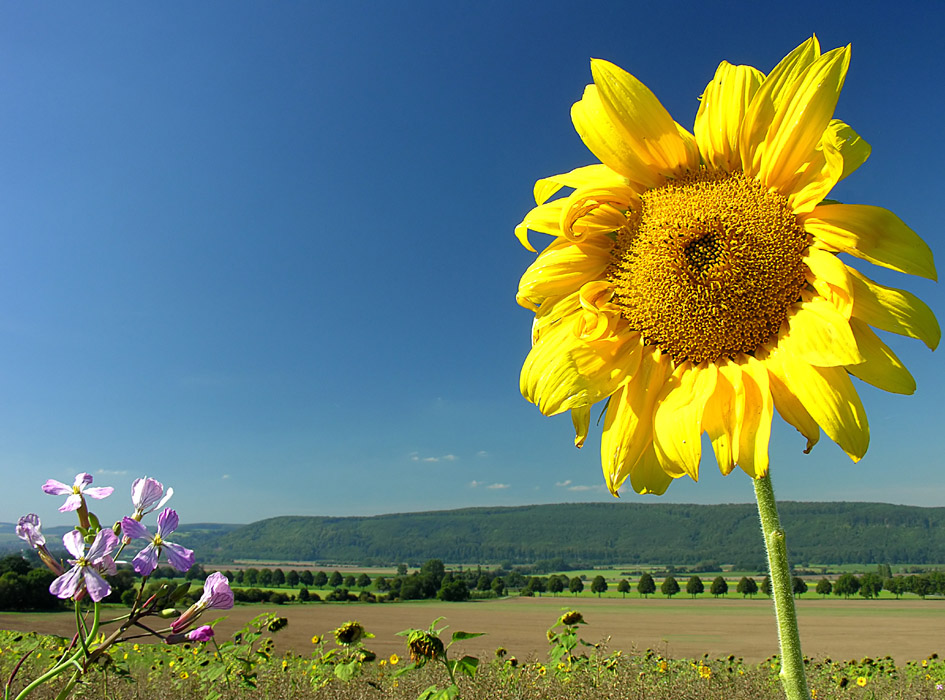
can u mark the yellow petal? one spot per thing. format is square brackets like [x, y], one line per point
[581, 419]
[721, 111]
[647, 475]
[595, 209]
[545, 218]
[640, 118]
[799, 122]
[882, 368]
[819, 335]
[893, 310]
[562, 268]
[554, 312]
[851, 146]
[604, 140]
[585, 176]
[829, 397]
[773, 92]
[628, 426]
[819, 175]
[720, 423]
[754, 432]
[870, 233]
[830, 278]
[789, 406]
[563, 371]
[677, 421]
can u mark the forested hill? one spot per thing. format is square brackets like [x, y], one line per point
[592, 534]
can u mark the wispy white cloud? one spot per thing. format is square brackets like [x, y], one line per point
[111, 472]
[497, 486]
[563, 484]
[225, 476]
[476, 484]
[580, 487]
[482, 453]
[415, 457]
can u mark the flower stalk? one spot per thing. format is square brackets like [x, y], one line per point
[792, 660]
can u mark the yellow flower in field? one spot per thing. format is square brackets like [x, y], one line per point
[861, 681]
[316, 639]
[705, 672]
[394, 659]
[694, 282]
[184, 675]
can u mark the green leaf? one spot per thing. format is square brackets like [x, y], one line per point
[346, 672]
[468, 665]
[457, 636]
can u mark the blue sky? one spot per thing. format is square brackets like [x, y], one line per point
[263, 252]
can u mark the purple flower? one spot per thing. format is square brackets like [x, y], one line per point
[84, 574]
[146, 495]
[76, 491]
[145, 562]
[204, 633]
[216, 594]
[28, 529]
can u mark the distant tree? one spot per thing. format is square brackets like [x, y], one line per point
[719, 586]
[598, 585]
[435, 569]
[920, 585]
[799, 586]
[278, 577]
[401, 569]
[646, 585]
[363, 581]
[237, 576]
[694, 586]
[575, 585]
[483, 583]
[746, 586]
[320, 579]
[498, 586]
[824, 587]
[303, 594]
[895, 585]
[350, 581]
[870, 585]
[306, 578]
[623, 587]
[265, 577]
[292, 578]
[536, 584]
[335, 579]
[555, 585]
[669, 587]
[846, 585]
[15, 563]
[250, 576]
[229, 575]
[454, 590]
[382, 584]
[765, 586]
[195, 573]
[884, 571]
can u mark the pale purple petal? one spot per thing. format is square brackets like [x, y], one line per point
[107, 565]
[99, 492]
[167, 522]
[146, 560]
[65, 586]
[82, 480]
[56, 488]
[179, 557]
[105, 543]
[28, 529]
[216, 592]
[146, 492]
[133, 529]
[75, 543]
[204, 633]
[72, 503]
[167, 497]
[97, 587]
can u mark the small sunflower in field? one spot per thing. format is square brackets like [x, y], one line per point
[694, 282]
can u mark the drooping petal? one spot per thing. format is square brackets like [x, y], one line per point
[850, 144]
[719, 421]
[721, 112]
[643, 121]
[104, 544]
[179, 557]
[789, 406]
[544, 218]
[605, 140]
[829, 397]
[882, 368]
[581, 420]
[29, 529]
[819, 335]
[820, 174]
[98, 492]
[893, 310]
[647, 474]
[133, 529]
[799, 122]
[677, 420]
[585, 176]
[72, 503]
[628, 426]
[216, 592]
[145, 493]
[754, 433]
[870, 233]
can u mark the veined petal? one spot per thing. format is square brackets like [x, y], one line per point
[720, 423]
[99, 492]
[647, 474]
[603, 138]
[643, 121]
[97, 587]
[146, 560]
[819, 335]
[754, 432]
[585, 176]
[818, 176]
[564, 267]
[882, 368]
[799, 122]
[788, 405]
[56, 488]
[829, 397]
[870, 233]
[179, 557]
[628, 426]
[563, 371]
[677, 420]
[544, 218]
[893, 310]
[133, 529]
[830, 277]
[67, 585]
[74, 543]
[721, 111]
[773, 91]
[595, 209]
[554, 312]
[581, 420]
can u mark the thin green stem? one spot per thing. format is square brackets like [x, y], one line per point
[782, 593]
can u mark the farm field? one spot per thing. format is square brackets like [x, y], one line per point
[682, 628]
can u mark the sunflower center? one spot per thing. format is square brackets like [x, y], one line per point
[709, 266]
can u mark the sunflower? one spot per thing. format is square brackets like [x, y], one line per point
[694, 282]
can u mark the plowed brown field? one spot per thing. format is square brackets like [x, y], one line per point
[681, 628]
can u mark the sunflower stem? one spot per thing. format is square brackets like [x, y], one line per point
[782, 593]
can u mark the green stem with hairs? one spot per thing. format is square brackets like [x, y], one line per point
[782, 593]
